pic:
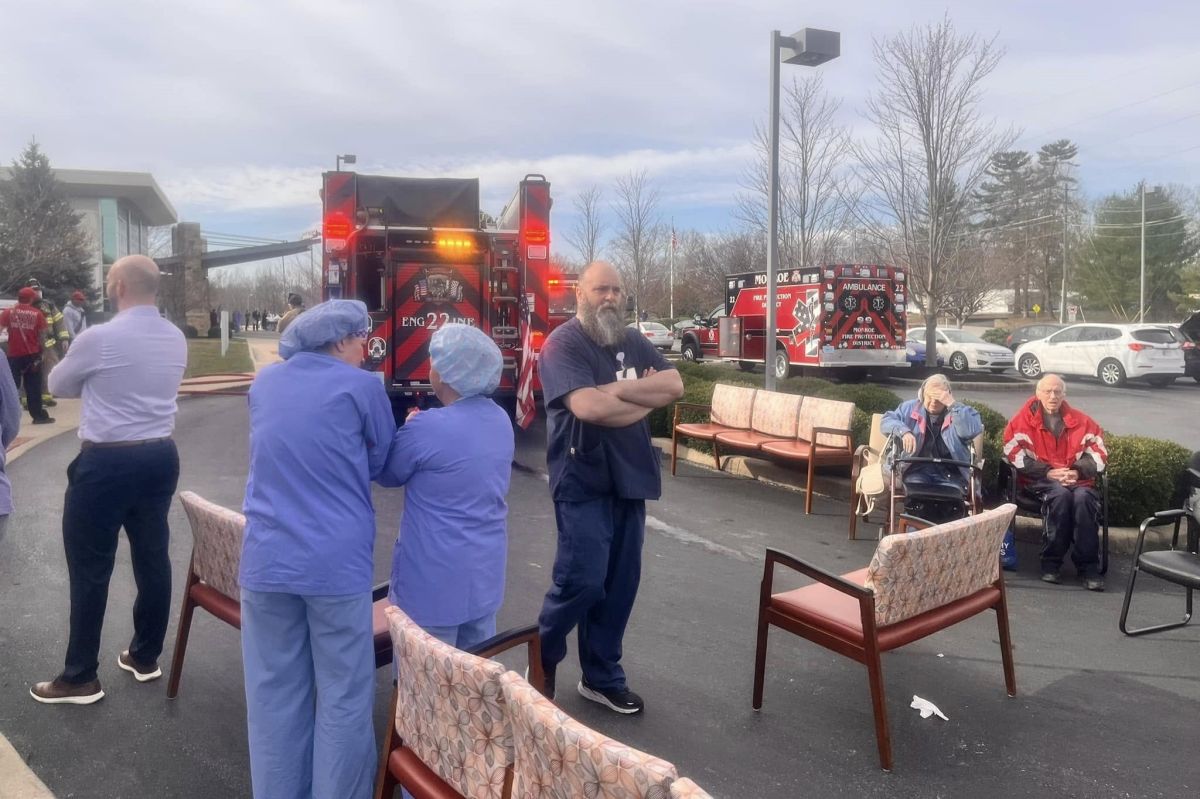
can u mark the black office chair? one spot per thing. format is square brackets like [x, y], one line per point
[1030, 506]
[1175, 565]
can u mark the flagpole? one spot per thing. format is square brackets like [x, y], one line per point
[672, 270]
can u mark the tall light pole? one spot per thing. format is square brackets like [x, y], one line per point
[808, 47]
[349, 158]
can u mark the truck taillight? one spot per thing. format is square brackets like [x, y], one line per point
[536, 340]
[337, 226]
[537, 235]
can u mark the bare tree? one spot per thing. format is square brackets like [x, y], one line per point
[640, 235]
[932, 148]
[814, 197]
[588, 230]
[979, 269]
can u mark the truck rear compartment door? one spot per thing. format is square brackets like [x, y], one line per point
[427, 296]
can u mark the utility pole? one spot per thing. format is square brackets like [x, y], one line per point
[1142, 282]
[1062, 303]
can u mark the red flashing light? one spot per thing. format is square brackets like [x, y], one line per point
[536, 339]
[538, 235]
[337, 226]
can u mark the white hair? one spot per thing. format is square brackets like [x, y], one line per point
[938, 380]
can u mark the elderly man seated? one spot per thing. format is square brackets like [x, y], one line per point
[935, 425]
[1058, 452]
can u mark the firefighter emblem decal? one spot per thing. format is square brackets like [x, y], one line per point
[376, 348]
[438, 285]
[807, 312]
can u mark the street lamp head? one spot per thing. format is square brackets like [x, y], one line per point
[810, 47]
[349, 159]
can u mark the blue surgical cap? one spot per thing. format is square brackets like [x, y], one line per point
[467, 360]
[322, 325]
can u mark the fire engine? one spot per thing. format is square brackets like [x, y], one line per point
[416, 252]
[847, 316]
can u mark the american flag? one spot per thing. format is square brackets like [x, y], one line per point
[526, 405]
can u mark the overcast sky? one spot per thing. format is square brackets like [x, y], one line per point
[237, 107]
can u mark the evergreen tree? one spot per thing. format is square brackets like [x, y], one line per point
[1005, 203]
[40, 235]
[1058, 203]
[1110, 261]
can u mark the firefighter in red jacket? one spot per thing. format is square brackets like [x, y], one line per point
[26, 329]
[1058, 452]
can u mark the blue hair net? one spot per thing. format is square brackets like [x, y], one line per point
[322, 325]
[466, 358]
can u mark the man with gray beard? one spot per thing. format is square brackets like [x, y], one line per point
[600, 380]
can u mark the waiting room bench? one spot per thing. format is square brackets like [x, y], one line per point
[785, 427]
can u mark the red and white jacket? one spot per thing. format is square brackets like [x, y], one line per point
[1033, 449]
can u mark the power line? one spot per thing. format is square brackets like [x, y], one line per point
[1120, 108]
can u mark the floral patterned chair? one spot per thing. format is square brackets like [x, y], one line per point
[556, 757]
[732, 408]
[451, 735]
[212, 580]
[823, 438]
[916, 584]
[683, 788]
[775, 418]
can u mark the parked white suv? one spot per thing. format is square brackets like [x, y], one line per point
[1113, 353]
[964, 351]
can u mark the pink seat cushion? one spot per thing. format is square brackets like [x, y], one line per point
[838, 614]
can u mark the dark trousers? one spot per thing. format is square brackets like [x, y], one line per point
[107, 489]
[596, 574]
[27, 370]
[1070, 520]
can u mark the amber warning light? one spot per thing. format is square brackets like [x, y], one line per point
[455, 244]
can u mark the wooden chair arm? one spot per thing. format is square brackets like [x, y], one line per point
[511, 639]
[692, 405]
[822, 576]
[834, 431]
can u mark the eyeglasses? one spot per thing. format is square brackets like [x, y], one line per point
[1053, 392]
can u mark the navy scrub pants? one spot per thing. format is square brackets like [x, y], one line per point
[1070, 520]
[107, 489]
[596, 574]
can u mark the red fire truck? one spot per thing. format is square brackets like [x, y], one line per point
[848, 316]
[415, 251]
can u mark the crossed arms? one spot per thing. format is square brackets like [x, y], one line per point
[624, 402]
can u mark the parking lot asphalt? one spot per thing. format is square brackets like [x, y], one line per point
[1097, 714]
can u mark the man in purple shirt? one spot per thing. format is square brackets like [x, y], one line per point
[128, 373]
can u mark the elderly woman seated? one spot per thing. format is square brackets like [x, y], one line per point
[934, 425]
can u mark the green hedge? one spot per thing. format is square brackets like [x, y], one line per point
[1142, 476]
[995, 335]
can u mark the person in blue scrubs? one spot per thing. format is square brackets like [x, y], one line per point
[320, 429]
[600, 379]
[454, 463]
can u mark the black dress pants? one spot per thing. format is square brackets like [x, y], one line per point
[107, 489]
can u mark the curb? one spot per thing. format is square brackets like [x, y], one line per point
[19, 781]
[1121, 540]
